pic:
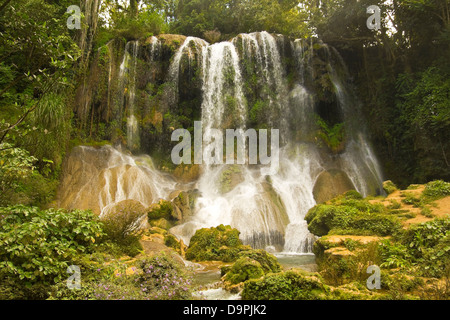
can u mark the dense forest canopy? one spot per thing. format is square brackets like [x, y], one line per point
[401, 72]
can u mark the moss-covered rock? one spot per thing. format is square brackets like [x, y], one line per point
[187, 173]
[161, 223]
[252, 264]
[219, 243]
[289, 285]
[347, 215]
[389, 187]
[268, 262]
[162, 209]
[244, 269]
[229, 178]
[330, 184]
[171, 241]
[184, 203]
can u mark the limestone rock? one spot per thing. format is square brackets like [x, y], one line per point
[330, 184]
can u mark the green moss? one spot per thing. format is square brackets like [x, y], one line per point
[351, 215]
[389, 187]
[163, 209]
[220, 243]
[244, 269]
[289, 285]
[251, 264]
[171, 241]
[268, 262]
[229, 178]
[353, 194]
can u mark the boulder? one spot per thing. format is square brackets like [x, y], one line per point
[330, 184]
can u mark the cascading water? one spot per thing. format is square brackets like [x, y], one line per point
[243, 81]
[98, 178]
[249, 206]
[127, 79]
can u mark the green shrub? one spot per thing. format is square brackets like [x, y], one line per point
[121, 225]
[163, 279]
[394, 255]
[322, 218]
[333, 136]
[37, 246]
[429, 245]
[437, 189]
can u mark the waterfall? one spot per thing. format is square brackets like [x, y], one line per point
[248, 205]
[254, 79]
[98, 178]
[127, 81]
[192, 48]
[358, 159]
[261, 52]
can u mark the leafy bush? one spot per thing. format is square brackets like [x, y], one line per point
[334, 137]
[121, 225]
[38, 246]
[16, 164]
[437, 189]
[101, 288]
[218, 243]
[163, 279]
[394, 255]
[429, 245]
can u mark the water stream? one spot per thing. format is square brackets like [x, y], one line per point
[268, 210]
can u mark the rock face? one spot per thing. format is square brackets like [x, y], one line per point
[98, 178]
[330, 184]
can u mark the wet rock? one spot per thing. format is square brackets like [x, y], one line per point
[330, 184]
